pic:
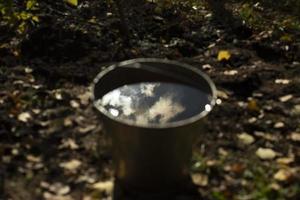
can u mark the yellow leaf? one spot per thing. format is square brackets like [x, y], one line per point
[35, 18]
[252, 105]
[224, 55]
[24, 15]
[30, 4]
[21, 28]
[286, 38]
[72, 2]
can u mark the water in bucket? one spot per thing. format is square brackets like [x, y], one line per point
[154, 102]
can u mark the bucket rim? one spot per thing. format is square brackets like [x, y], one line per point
[130, 64]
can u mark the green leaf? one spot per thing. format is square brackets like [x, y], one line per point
[72, 2]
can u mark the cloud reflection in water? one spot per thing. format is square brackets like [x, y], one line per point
[154, 103]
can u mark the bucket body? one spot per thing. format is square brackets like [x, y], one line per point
[152, 158]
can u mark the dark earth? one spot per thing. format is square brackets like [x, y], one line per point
[51, 141]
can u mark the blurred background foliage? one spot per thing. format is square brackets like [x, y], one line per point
[18, 16]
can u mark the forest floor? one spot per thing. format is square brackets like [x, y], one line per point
[51, 141]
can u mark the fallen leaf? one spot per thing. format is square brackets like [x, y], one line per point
[295, 137]
[252, 120]
[222, 152]
[71, 165]
[50, 196]
[87, 128]
[69, 143]
[282, 81]
[200, 179]
[286, 38]
[252, 105]
[59, 189]
[275, 186]
[237, 168]
[223, 55]
[32, 158]
[72, 2]
[44, 184]
[74, 104]
[58, 96]
[296, 110]
[63, 190]
[85, 98]
[267, 136]
[35, 18]
[106, 186]
[222, 94]
[28, 70]
[283, 175]
[207, 67]
[15, 152]
[86, 178]
[211, 45]
[209, 15]
[68, 122]
[24, 117]
[211, 163]
[286, 98]
[246, 138]
[230, 72]
[93, 20]
[265, 153]
[88, 197]
[279, 125]
[285, 161]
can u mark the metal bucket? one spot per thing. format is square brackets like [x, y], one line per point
[152, 158]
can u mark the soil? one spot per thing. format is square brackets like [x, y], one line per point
[52, 145]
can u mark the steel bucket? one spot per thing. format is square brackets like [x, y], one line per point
[153, 158]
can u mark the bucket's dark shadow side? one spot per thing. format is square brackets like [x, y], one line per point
[189, 192]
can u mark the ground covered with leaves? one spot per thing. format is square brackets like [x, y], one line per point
[51, 141]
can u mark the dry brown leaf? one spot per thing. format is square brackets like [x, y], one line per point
[33, 158]
[222, 94]
[71, 165]
[230, 72]
[295, 137]
[85, 98]
[279, 125]
[200, 179]
[286, 98]
[282, 81]
[206, 67]
[69, 143]
[87, 128]
[246, 138]
[24, 117]
[266, 154]
[283, 175]
[252, 105]
[285, 161]
[106, 186]
[58, 188]
[74, 104]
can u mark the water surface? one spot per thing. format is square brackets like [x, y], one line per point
[154, 102]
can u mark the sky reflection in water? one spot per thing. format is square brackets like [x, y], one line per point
[154, 102]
